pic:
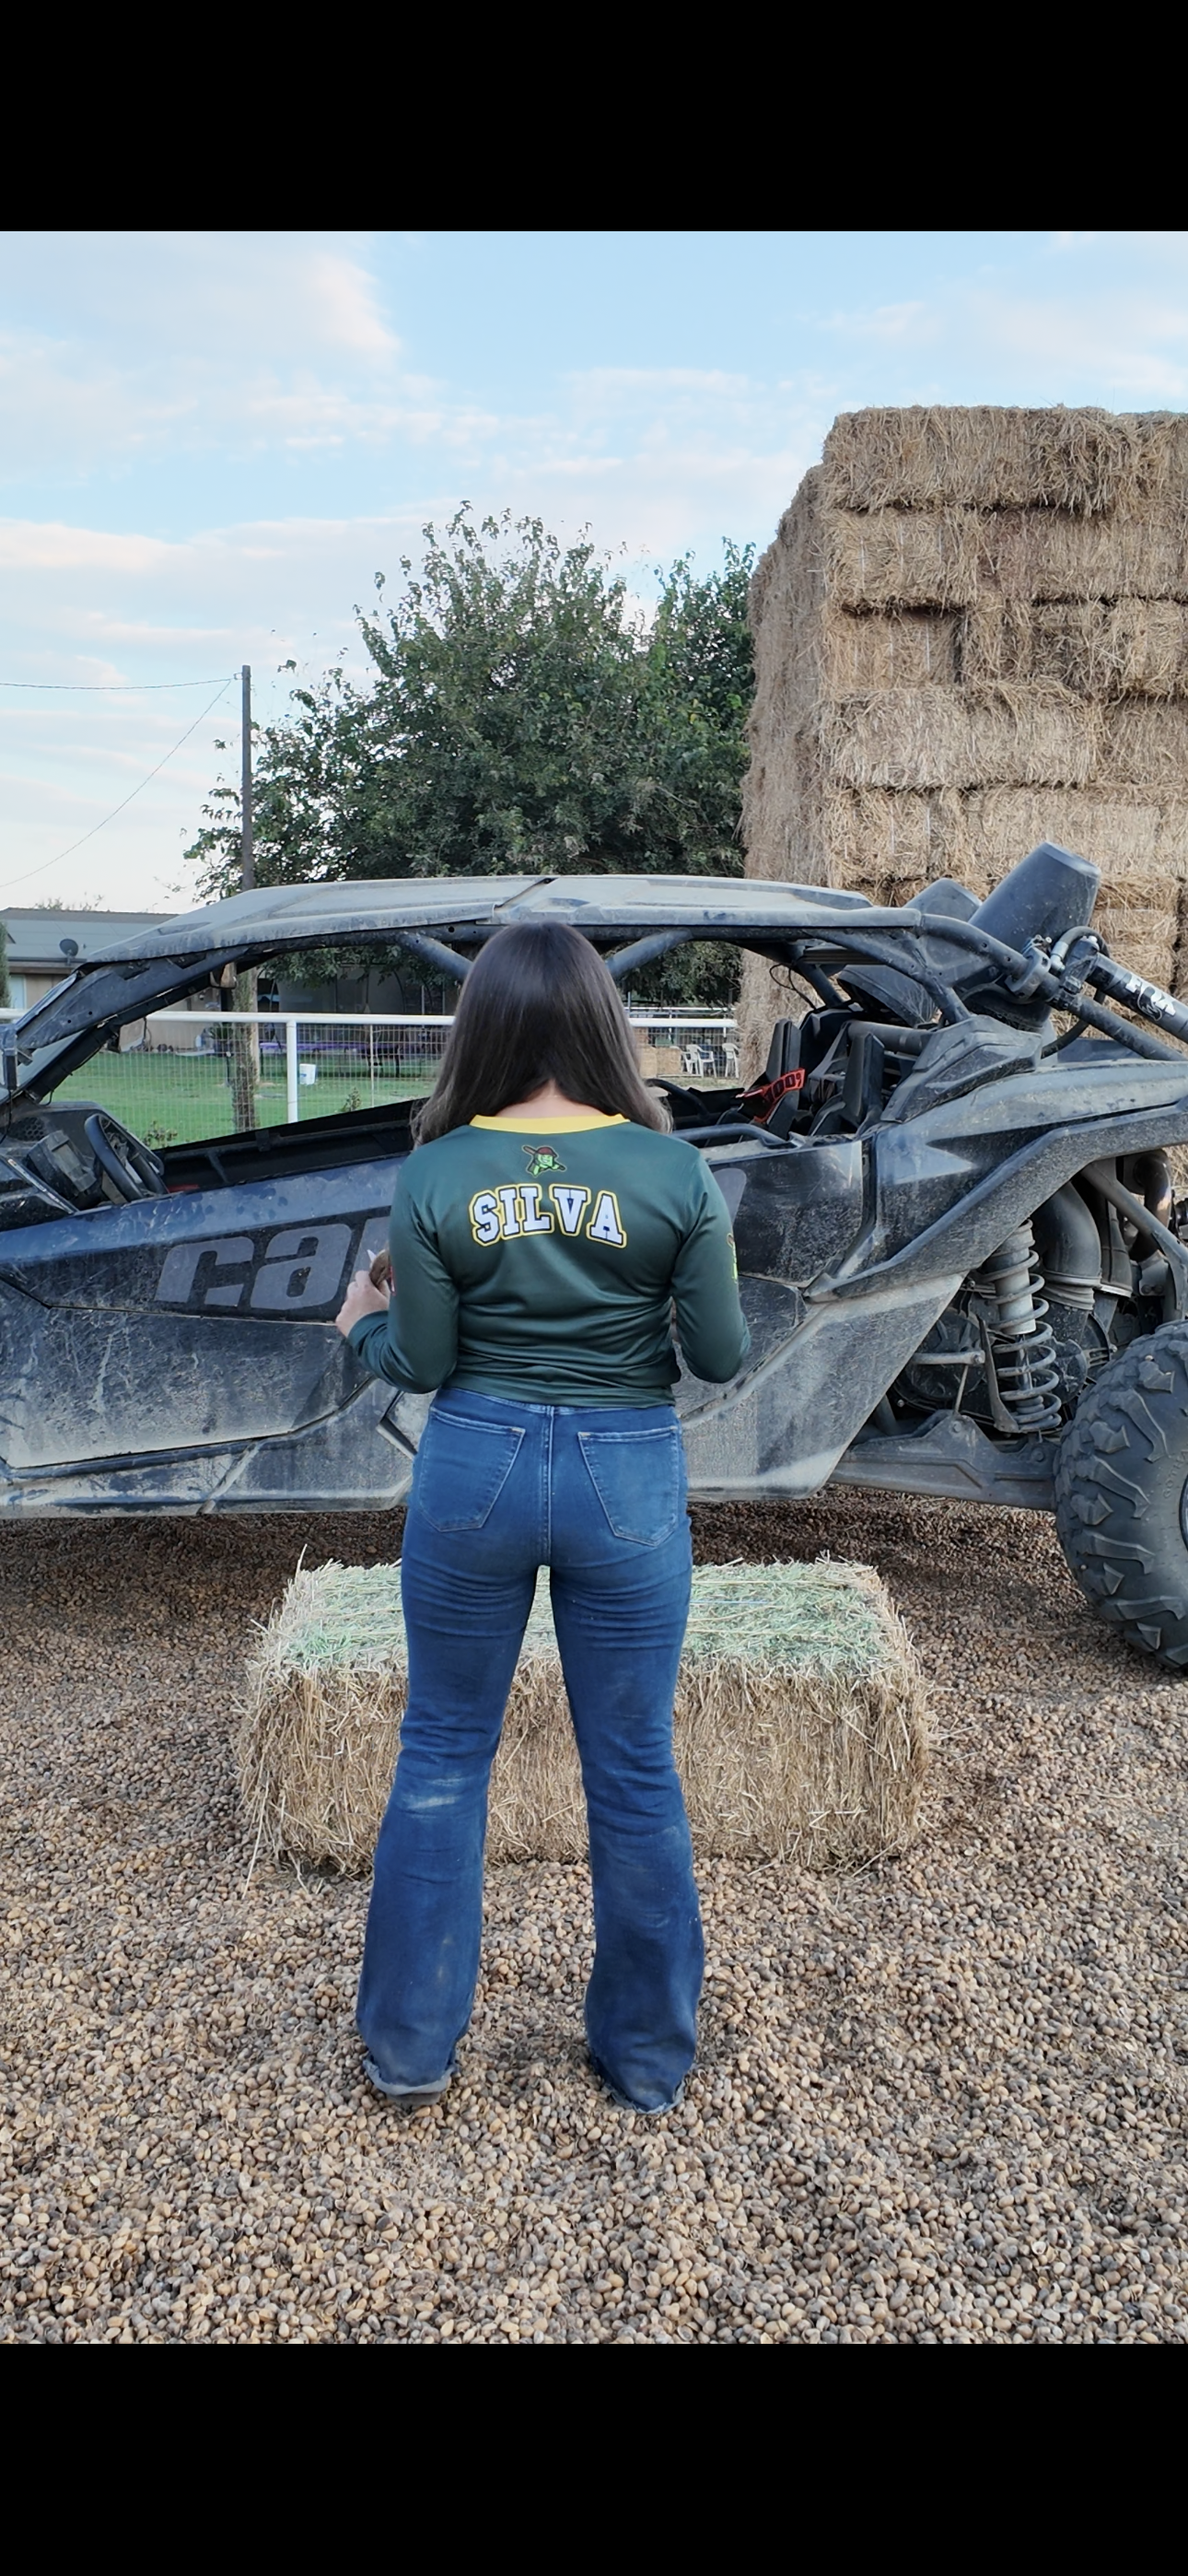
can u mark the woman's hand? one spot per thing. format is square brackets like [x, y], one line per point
[362, 1298]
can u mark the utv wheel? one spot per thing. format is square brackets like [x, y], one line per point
[1122, 1494]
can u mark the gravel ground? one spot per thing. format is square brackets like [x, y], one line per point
[940, 2102]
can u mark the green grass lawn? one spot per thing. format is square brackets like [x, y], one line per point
[176, 1100]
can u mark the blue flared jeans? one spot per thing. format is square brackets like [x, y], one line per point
[499, 1489]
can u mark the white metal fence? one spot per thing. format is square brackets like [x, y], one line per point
[182, 1075]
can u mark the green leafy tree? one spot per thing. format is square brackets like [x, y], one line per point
[521, 716]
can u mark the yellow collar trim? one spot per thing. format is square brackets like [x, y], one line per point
[553, 1126]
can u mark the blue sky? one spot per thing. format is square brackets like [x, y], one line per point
[210, 442]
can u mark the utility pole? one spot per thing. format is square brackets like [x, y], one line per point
[245, 1038]
[247, 858]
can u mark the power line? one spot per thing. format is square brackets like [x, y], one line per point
[114, 688]
[125, 800]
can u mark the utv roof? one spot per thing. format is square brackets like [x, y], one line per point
[606, 906]
[436, 918]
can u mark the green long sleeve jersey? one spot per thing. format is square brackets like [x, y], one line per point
[543, 1262]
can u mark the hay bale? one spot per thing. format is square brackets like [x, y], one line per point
[1102, 649]
[901, 558]
[1140, 924]
[887, 844]
[914, 738]
[1124, 831]
[782, 803]
[1144, 743]
[657, 1061]
[946, 558]
[766, 993]
[910, 648]
[781, 793]
[1050, 555]
[991, 457]
[998, 641]
[1140, 650]
[800, 1721]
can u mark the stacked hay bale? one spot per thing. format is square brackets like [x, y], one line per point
[800, 1721]
[657, 1060]
[971, 634]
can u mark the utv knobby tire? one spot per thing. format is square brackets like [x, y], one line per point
[1121, 1503]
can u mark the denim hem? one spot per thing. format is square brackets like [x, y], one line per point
[413, 2094]
[645, 2110]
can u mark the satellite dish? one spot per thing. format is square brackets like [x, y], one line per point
[68, 947]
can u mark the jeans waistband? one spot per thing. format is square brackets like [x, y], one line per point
[464, 1399]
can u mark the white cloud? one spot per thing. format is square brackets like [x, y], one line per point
[238, 345]
[66, 408]
[167, 338]
[1095, 341]
[204, 297]
[346, 298]
[32, 546]
[1134, 346]
[1173, 245]
[313, 415]
[907, 323]
[610, 384]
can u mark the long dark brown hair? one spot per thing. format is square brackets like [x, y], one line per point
[537, 1006]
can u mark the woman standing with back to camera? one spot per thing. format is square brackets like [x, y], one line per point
[542, 1233]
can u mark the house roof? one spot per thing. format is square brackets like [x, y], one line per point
[36, 932]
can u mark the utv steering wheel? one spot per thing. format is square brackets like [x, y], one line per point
[136, 1172]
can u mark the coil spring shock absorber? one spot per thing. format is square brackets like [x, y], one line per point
[1020, 1349]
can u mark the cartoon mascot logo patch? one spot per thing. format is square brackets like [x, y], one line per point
[543, 1163]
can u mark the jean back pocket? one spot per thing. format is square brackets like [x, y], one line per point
[639, 1478]
[462, 1468]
